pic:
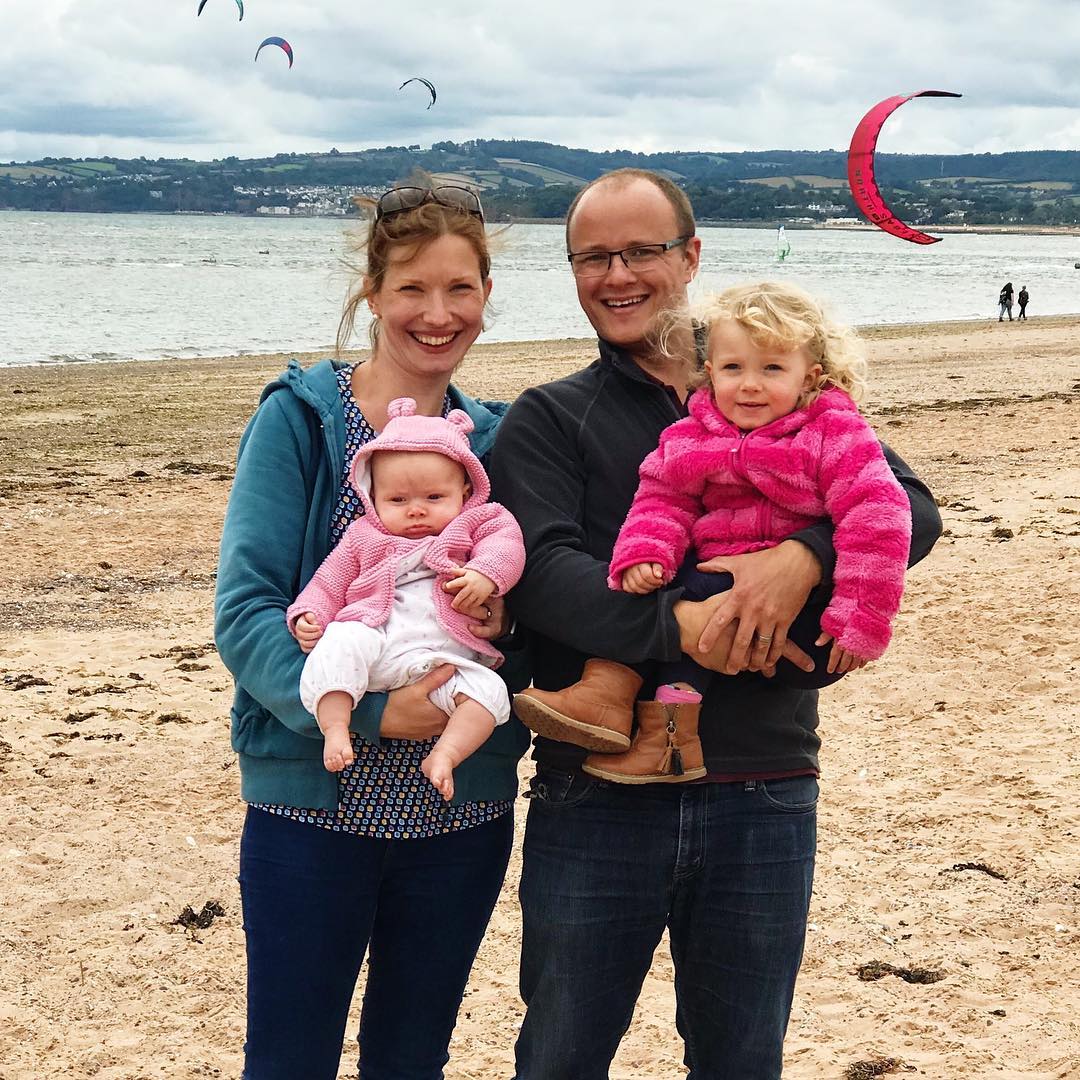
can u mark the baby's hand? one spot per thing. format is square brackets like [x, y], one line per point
[473, 591]
[307, 631]
[645, 577]
[841, 660]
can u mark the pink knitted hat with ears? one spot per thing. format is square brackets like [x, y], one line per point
[431, 434]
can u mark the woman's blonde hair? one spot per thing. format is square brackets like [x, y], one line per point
[779, 315]
[368, 251]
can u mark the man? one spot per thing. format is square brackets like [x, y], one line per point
[726, 864]
[1022, 298]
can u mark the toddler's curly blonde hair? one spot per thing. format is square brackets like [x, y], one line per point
[779, 315]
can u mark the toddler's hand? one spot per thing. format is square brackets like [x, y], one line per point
[645, 577]
[307, 631]
[841, 660]
[473, 591]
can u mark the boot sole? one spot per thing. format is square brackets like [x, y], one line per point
[550, 724]
[656, 778]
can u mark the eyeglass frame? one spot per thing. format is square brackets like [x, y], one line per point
[429, 196]
[665, 247]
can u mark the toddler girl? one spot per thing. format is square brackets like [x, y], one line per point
[773, 442]
[378, 598]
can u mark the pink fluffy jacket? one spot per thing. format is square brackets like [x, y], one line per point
[726, 492]
[356, 580]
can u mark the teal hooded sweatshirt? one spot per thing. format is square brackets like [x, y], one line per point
[276, 534]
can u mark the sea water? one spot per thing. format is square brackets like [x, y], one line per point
[89, 287]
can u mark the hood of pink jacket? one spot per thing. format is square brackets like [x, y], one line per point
[406, 430]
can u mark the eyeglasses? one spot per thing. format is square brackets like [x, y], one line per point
[399, 199]
[587, 264]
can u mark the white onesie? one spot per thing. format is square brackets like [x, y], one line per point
[356, 658]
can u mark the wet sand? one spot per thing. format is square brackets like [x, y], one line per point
[950, 814]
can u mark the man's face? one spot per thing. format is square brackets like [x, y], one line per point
[623, 303]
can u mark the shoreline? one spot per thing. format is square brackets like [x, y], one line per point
[705, 223]
[870, 331]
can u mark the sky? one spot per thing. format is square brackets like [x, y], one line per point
[130, 78]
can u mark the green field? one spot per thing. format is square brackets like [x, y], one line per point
[542, 172]
[27, 172]
[91, 167]
[823, 181]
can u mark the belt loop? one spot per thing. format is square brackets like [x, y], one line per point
[750, 785]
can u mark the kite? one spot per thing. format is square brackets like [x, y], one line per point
[281, 43]
[419, 79]
[239, 4]
[860, 165]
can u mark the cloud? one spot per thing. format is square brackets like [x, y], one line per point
[124, 77]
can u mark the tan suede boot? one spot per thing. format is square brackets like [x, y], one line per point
[597, 712]
[666, 748]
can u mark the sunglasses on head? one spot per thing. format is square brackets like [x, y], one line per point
[399, 199]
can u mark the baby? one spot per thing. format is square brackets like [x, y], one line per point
[379, 596]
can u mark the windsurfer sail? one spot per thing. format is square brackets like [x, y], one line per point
[783, 245]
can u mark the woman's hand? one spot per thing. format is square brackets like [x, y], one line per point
[410, 713]
[493, 618]
[770, 589]
[307, 631]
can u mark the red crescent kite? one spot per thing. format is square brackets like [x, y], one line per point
[860, 168]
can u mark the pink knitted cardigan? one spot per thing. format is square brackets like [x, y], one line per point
[356, 580]
[727, 492]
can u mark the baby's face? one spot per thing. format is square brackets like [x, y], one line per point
[417, 494]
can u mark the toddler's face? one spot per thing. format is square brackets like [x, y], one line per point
[754, 385]
[417, 494]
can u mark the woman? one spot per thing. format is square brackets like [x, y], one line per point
[370, 860]
[1005, 301]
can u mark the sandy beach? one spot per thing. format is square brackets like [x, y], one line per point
[950, 814]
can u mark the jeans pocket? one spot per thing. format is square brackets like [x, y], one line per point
[554, 788]
[792, 794]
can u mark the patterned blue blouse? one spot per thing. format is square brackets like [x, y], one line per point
[383, 793]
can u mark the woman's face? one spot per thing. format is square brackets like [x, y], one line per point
[431, 307]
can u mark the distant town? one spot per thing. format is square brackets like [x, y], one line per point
[525, 180]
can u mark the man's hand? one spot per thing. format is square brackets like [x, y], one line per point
[473, 590]
[307, 631]
[694, 617]
[642, 578]
[410, 713]
[770, 589]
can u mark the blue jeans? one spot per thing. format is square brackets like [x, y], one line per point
[315, 901]
[728, 868]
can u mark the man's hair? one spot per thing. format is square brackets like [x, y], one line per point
[684, 212]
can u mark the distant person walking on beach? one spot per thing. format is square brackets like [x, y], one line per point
[1005, 301]
[1022, 300]
[370, 861]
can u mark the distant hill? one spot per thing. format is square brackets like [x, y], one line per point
[524, 178]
